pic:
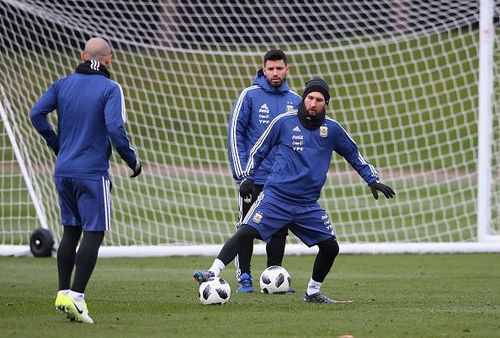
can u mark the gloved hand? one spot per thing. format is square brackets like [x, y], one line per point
[137, 169]
[247, 188]
[385, 189]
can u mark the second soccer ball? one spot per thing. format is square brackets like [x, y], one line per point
[275, 279]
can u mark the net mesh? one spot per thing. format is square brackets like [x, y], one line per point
[404, 79]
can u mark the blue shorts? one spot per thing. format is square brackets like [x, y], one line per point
[85, 203]
[310, 223]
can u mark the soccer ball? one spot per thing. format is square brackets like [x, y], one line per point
[275, 279]
[214, 291]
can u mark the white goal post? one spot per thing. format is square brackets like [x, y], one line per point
[415, 83]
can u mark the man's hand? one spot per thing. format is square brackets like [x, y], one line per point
[247, 188]
[385, 189]
[137, 169]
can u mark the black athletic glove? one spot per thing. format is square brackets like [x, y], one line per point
[137, 169]
[385, 189]
[247, 188]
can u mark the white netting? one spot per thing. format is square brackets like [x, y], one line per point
[17, 215]
[404, 79]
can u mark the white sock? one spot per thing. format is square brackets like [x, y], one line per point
[313, 287]
[64, 292]
[217, 267]
[76, 295]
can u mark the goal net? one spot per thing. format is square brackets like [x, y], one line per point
[405, 84]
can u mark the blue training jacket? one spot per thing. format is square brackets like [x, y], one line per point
[252, 112]
[91, 116]
[303, 157]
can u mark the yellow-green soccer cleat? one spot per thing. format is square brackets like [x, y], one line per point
[77, 310]
[62, 301]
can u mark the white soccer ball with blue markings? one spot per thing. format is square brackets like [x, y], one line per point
[214, 291]
[275, 279]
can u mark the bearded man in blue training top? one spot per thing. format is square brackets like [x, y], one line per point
[304, 143]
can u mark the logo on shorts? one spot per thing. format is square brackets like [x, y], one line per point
[328, 224]
[323, 131]
[257, 217]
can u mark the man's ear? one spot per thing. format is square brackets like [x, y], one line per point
[107, 59]
[83, 55]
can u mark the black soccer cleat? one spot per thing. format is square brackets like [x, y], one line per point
[317, 297]
[202, 275]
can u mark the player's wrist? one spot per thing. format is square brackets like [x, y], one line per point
[136, 168]
[247, 187]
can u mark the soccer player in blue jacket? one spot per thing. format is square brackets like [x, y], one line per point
[304, 144]
[253, 110]
[90, 118]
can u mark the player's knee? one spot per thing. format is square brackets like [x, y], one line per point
[245, 231]
[95, 238]
[329, 247]
[72, 233]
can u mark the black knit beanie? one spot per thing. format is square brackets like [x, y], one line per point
[317, 84]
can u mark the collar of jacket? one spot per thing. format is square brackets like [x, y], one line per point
[261, 81]
[308, 121]
[92, 67]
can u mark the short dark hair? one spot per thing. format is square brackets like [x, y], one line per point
[275, 55]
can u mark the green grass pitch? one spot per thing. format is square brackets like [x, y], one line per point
[393, 296]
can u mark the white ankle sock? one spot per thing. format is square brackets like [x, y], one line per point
[313, 287]
[64, 292]
[217, 267]
[77, 295]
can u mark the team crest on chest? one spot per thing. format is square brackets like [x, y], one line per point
[323, 131]
[257, 217]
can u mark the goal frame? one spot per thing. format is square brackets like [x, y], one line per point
[485, 122]
[487, 240]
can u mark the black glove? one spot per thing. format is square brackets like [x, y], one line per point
[385, 189]
[137, 168]
[247, 188]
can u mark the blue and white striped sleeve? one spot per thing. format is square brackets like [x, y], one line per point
[237, 134]
[264, 144]
[114, 112]
[348, 149]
